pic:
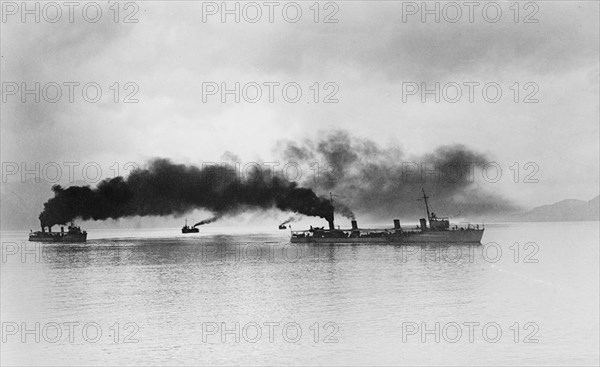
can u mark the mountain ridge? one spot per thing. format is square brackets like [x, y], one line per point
[566, 210]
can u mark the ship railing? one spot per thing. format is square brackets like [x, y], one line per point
[466, 226]
[350, 230]
[453, 227]
[345, 230]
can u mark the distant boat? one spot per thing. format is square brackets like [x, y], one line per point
[438, 231]
[188, 229]
[73, 234]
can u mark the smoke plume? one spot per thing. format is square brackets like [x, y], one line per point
[208, 221]
[384, 181]
[344, 210]
[165, 188]
[293, 218]
[374, 180]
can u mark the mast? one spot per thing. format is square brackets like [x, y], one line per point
[425, 197]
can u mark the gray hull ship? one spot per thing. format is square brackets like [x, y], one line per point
[430, 230]
[73, 234]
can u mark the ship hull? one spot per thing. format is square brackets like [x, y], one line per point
[58, 238]
[429, 237]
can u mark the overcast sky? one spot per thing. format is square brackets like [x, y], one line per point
[369, 53]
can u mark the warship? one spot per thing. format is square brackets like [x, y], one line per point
[73, 234]
[434, 229]
[188, 229]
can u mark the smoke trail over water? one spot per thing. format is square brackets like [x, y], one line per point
[207, 221]
[293, 218]
[377, 181]
[165, 188]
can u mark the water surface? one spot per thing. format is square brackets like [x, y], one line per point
[215, 297]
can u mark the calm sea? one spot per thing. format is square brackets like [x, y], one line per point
[528, 295]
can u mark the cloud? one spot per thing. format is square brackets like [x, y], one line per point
[368, 54]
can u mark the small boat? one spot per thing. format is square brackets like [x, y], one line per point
[188, 229]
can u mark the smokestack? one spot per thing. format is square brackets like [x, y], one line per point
[49, 228]
[397, 224]
[354, 225]
[331, 225]
[423, 223]
[62, 229]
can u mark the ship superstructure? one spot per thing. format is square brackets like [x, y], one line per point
[73, 234]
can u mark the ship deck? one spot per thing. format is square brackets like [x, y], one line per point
[461, 235]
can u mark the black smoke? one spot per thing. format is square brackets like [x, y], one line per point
[208, 220]
[293, 218]
[381, 181]
[363, 175]
[165, 188]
